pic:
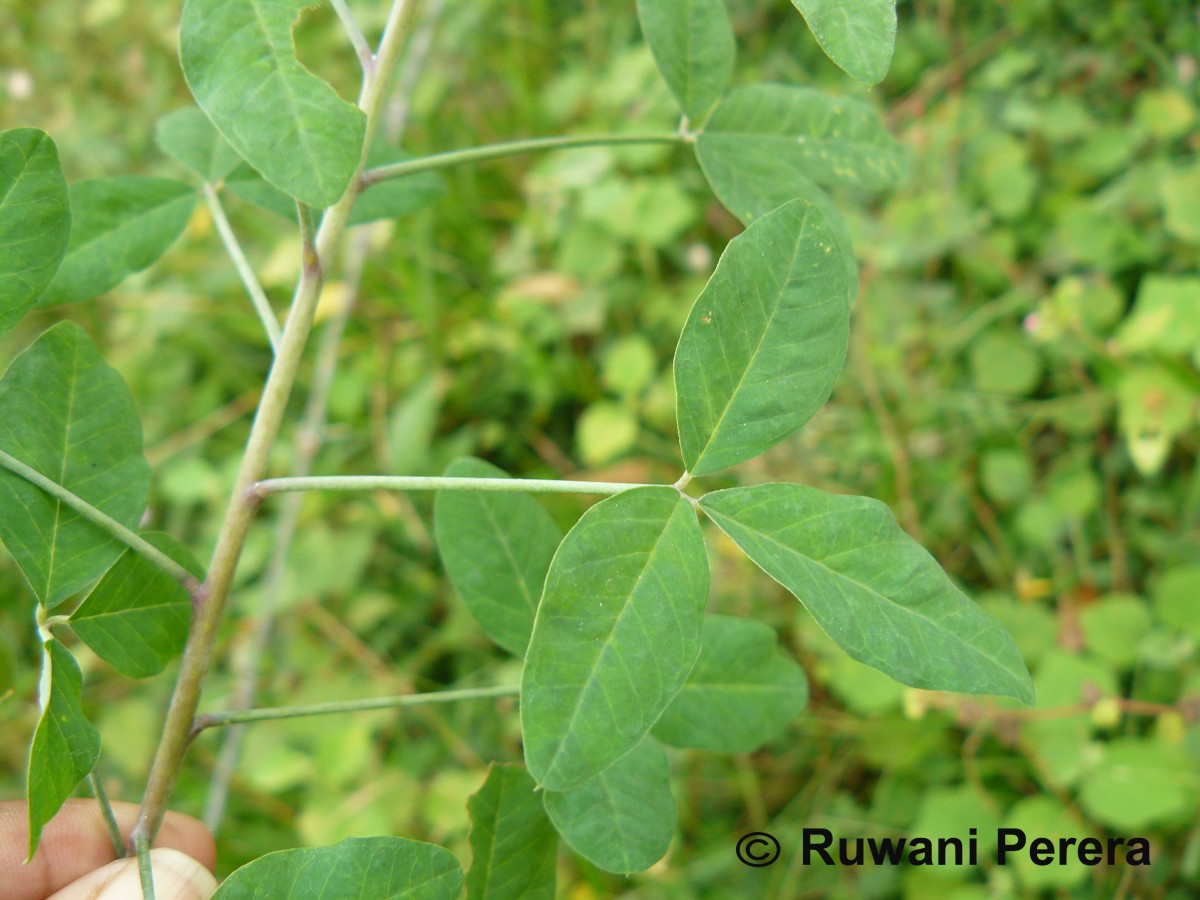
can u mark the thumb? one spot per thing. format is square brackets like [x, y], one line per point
[176, 877]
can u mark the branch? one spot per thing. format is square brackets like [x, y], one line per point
[421, 483]
[257, 296]
[241, 716]
[514, 148]
[307, 441]
[210, 606]
[101, 520]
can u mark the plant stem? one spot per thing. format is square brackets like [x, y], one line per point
[421, 483]
[141, 846]
[106, 812]
[257, 296]
[242, 716]
[212, 595]
[103, 521]
[513, 148]
[307, 442]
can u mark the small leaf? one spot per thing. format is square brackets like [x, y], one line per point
[390, 867]
[513, 844]
[743, 691]
[616, 634]
[764, 344]
[136, 618]
[240, 63]
[858, 35]
[65, 744]
[795, 133]
[35, 220]
[623, 819]
[693, 45]
[69, 416]
[190, 139]
[1140, 784]
[496, 548]
[872, 588]
[119, 226]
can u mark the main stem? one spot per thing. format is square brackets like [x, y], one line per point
[210, 600]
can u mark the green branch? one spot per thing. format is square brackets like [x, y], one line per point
[420, 483]
[241, 716]
[514, 148]
[210, 599]
[101, 520]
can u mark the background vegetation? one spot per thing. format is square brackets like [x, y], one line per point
[1022, 388]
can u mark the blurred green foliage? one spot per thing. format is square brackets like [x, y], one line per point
[1023, 388]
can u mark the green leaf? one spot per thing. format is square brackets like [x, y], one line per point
[240, 63]
[872, 588]
[136, 618]
[496, 548]
[513, 844]
[623, 819]
[119, 226]
[391, 199]
[798, 135]
[764, 344]
[743, 691]
[750, 180]
[693, 45]
[65, 744]
[70, 417]
[190, 139]
[1165, 317]
[858, 35]
[383, 867]
[35, 220]
[616, 634]
[1140, 784]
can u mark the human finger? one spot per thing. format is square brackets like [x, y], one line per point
[76, 841]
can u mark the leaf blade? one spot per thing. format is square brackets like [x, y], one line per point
[772, 325]
[743, 691]
[513, 844]
[693, 45]
[120, 226]
[858, 35]
[70, 417]
[136, 617]
[622, 819]
[239, 61]
[35, 220]
[496, 548]
[616, 633]
[390, 867]
[188, 137]
[880, 595]
[65, 744]
[798, 132]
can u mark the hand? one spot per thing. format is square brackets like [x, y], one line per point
[75, 859]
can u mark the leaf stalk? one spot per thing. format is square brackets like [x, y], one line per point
[514, 148]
